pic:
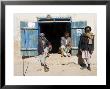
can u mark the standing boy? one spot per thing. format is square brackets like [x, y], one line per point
[86, 47]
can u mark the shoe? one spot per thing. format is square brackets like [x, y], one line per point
[46, 69]
[89, 68]
[64, 55]
[42, 64]
[68, 55]
[61, 55]
[82, 68]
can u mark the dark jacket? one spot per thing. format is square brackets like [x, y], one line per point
[41, 47]
[84, 44]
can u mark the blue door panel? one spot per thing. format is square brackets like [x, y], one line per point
[23, 24]
[77, 28]
[76, 33]
[33, 38]
[78, 24]
[29, 39]
[26, 34]
[22, 39]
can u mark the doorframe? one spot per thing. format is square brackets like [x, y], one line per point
[53, 20]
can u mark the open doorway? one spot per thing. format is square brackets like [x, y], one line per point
[54, 31]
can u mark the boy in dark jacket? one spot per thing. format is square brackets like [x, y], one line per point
[86, 46]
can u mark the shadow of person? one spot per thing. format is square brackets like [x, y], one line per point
[80, 59]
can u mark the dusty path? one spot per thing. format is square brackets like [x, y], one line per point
[59, 66]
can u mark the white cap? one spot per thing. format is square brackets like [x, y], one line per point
[42, 34]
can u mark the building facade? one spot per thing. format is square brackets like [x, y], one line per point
[28, 26]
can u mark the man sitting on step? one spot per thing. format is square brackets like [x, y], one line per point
[65, 45]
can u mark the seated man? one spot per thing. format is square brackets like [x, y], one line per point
[65, 45]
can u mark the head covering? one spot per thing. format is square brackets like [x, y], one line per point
[87, 28]
[42, 34]
[67, 33]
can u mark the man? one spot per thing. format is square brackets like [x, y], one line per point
[86, 47]
[65, 45]
[43, 50]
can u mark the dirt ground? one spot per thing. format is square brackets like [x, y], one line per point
[58, 66]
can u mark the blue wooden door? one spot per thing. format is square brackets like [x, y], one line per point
[77, 28]
[29, 39]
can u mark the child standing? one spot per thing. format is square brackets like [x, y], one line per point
[86, 47]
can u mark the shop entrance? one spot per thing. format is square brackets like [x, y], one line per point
[54, 31]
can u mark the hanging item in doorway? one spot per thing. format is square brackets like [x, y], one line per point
[49, 17]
